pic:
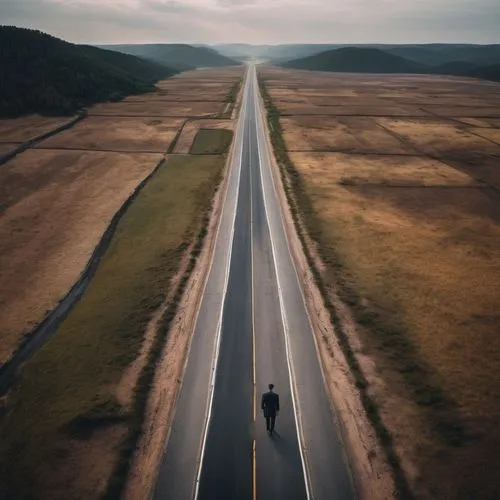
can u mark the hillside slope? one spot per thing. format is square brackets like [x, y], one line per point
[43, 74]
[179, 56]
[356, 60]
[439, 54]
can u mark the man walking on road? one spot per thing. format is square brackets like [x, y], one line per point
[270, 404]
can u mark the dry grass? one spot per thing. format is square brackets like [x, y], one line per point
[493, 134]
[57, 205]
[27, 127]
[152, 108]
[413, 244]
[324, 133]
[330, 169]
[63, 419]
[6, 147]
[118, 134]
[438, 137]
[427, 261]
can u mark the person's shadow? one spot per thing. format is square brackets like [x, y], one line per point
[287, 448]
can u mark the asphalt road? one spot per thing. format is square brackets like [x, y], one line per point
[252, 329]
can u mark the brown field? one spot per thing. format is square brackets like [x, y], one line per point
[356, 133]
[28, 127]
[191, 128]
[7, 146]
[57, 198]
[492, 134]
[59, 204]
[157, 108]
[118, 134]
[438, 137]
[412, 241]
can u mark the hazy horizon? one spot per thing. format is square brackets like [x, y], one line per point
[259, 22]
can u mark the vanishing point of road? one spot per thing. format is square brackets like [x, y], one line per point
[252, 329]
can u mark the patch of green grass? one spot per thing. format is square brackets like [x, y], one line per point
[211, 141]
[66, 390]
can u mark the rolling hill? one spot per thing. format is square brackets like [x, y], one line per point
[43, 74]
[373, 60]
[439, 54]
[491, 72]
[178, 56]
[356, 60]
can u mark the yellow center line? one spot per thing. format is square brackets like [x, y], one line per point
[254, 475]
[254, 379]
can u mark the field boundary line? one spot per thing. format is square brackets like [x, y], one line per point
[45, 135]
[34, 339]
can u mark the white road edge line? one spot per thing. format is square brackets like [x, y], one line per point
[291, 374]
[215, 358]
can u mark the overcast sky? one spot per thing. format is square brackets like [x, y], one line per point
[259, 21]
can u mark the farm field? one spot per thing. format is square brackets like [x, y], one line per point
[89, 381]
[58, 197]
[405, 211]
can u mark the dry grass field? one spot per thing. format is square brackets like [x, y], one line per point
[57, 205]
[116, 133]
[406, 214]
[26, 128]
[57, 198]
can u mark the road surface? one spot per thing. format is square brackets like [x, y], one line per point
[252, 329]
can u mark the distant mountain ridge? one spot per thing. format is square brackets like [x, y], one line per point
[374, 60]
[43, 74]
[356, 60]
[179, 56]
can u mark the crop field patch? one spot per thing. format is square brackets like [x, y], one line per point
[439, 137]
[379, 170]
[493, 134]
[28, 127]
[118, 134]
[191, 128]
[354, 134]
[168, 108]
[56, 205]
[5, 147]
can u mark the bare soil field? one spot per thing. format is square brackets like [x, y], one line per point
[191, 128]
[411, 242]
[26, 128]
[105, 133]
[56, 206]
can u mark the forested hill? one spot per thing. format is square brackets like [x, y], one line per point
[356, 60]
[43, 74]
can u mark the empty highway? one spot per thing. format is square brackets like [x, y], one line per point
[252, 328]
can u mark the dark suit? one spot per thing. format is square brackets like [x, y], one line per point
[270, 404]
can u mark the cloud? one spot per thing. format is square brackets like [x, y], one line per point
[259, 21]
